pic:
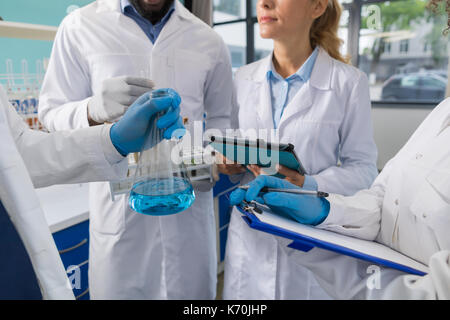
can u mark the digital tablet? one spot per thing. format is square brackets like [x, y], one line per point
[259, 152]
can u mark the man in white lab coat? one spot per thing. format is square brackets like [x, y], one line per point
[96, 49]
[407, 209]
[31, 159]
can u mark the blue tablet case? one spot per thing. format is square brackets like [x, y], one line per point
[306, 243]
[250, 152]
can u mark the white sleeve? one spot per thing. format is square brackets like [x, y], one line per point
[63, 157]
[347, 278]
[66, 89]
[359, 215]
[358, 152]
[219, 91]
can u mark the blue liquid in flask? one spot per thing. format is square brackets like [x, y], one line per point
[153, 198]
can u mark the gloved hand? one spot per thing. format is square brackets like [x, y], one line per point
[306, 209]
[116, 95]
[130, 133]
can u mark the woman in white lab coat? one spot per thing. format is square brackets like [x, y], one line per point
[31, 159]
[407, 209]
[328, 120]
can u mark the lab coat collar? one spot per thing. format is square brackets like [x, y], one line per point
[320, 76]
[322, 71]
[182, 12]
[260, 73]
[304, 72]
[108, 6]
[172, 26]
[446, 116]
[115, 6]
[445, 124]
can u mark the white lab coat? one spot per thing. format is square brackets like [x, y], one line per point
[133, 256]
[30, 157]
[408, 209]
[330, 114]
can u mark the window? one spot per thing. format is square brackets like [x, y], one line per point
[384, 38]
[404, 46]
[409, 81]
[432, 81]
[234, 35]
[405, 43]
[230, 23]
[386, 47]
[228, 10]
[237, 57]
[263, 47]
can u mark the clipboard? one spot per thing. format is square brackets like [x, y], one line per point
[247, 151]
[304, 238]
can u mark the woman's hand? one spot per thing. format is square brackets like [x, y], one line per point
[291, 176]
[305, 209]
[227, 166]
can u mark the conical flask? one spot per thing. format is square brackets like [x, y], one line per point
[161, 185]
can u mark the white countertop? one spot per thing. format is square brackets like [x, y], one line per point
[64, 205]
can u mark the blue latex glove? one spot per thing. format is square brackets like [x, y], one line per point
[130, 133]
[305, 209]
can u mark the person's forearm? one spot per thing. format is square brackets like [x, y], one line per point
[78, 156]
[59, 116]
[357, 216]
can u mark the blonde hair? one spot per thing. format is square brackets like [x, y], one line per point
[324, 31]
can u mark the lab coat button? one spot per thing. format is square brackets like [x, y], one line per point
[424, 215]
[419, 156]
[396, 202]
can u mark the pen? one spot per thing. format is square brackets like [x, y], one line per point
[319, 194]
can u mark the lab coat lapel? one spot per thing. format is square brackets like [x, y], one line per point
[301, 102]
[264, 107]
[174, 25]
[320, 81]
[445, 124]
[132, 29]
[171, 27]
[258, 96]
[126, 26]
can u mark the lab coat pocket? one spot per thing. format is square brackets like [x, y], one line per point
[107, 66]
[440, 219]
[190, 74]
[432, 207]
[313, 137]
[440, 181]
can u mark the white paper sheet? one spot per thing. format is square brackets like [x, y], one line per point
[364, 247]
